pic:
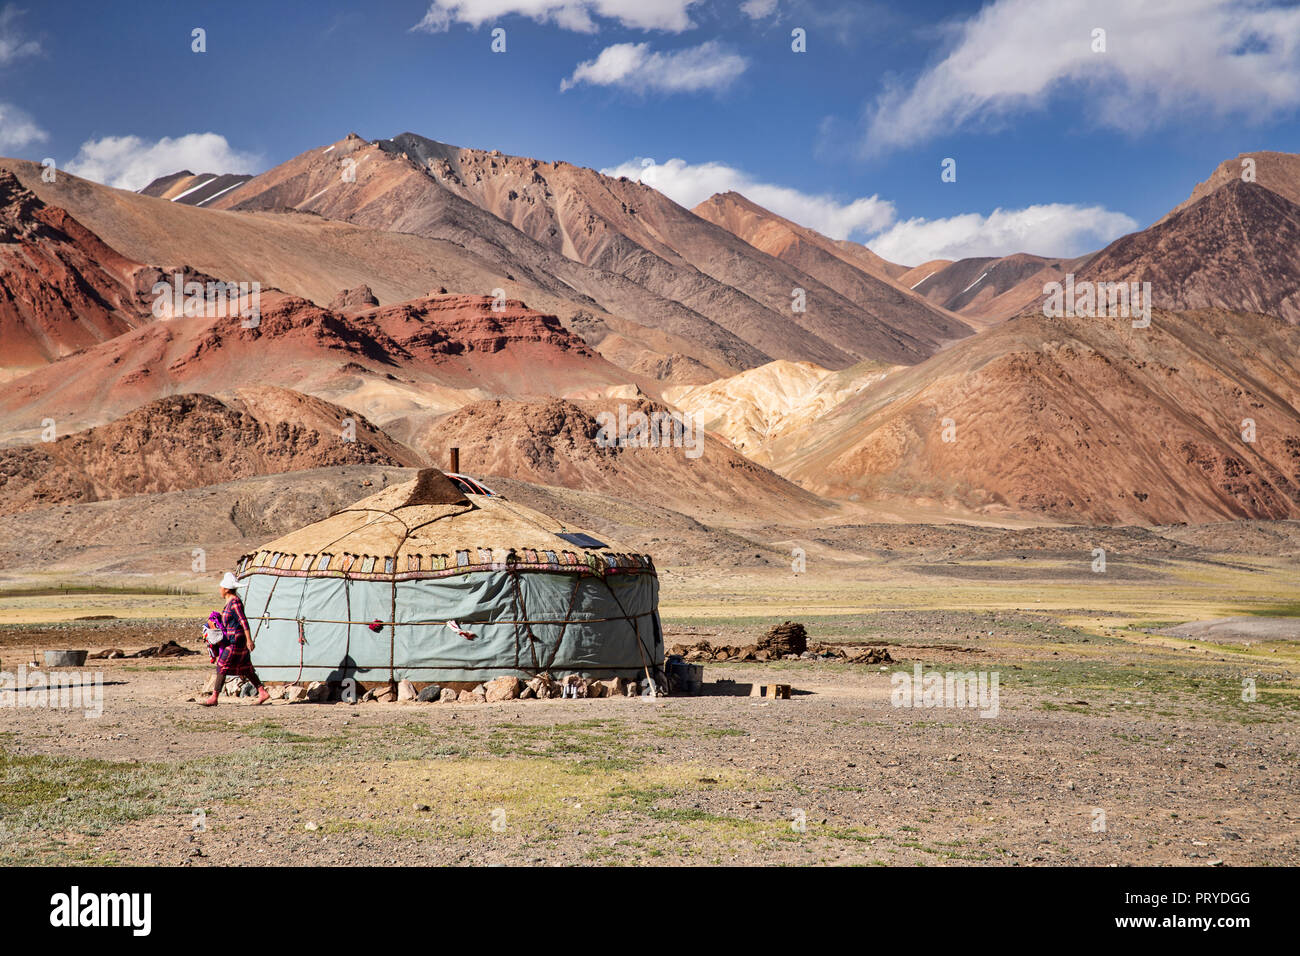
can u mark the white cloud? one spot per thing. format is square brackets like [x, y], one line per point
[1053, 229]
[17, 129]
[634, 66]
[758, 9]
[12, 43]
[1164, 59]
[1050, 229]
[129, 162]
[690, 184]
[672, 16]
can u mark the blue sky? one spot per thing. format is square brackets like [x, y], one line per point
[1059, 146]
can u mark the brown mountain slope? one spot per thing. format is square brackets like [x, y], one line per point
[61, 288]
[868, 261]
[188, 441]
[394, 191]
[194, 190]
[987, 290]
[914, 276]
[1238, 248]
[1078, 419]
[414, 358]
[1277, 172]
[312, 257]
[1230, 245]
[859, 275]
[630, 229]
[555, 443]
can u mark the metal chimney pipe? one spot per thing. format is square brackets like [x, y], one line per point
[455, 460]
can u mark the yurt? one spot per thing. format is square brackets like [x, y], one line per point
[440, 580]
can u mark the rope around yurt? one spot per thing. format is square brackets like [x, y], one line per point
[636, 631]
[521, 611]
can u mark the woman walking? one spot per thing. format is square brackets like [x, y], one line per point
[234, 656]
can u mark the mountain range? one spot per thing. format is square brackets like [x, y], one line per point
[435, 296]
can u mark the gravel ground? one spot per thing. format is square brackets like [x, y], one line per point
[1102, 752]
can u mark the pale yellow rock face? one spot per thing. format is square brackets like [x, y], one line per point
[753, 409]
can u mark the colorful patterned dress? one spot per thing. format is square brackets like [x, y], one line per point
[234, 659]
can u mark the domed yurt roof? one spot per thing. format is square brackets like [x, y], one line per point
[428, 524]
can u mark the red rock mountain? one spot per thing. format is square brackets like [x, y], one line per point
[632, 229]
[1276, 172]
[1233, 244]
[61, 287]
[1071, 419]
[391, 191]
[314, 258]
[412, 358]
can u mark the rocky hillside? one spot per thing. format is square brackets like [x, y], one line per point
[61, 287]
[629, 248]
[1233, 244]
[414, 358]
[188, 441]
[313, 258]
[852, 270]
[1276, 172]
[556, 443]
[194, 190]
[986, 290]
[755, 408]
[631, 229]
[1237, 248]
[393, 191]
[1084, 420]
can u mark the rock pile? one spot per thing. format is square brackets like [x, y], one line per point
[169, 649]
[783, 642]
[872, 655]
[231, 687]
[704, 651]
[787, 638]
[352, 300]
[540, 687]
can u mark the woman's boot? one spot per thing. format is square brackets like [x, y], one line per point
[216, 692]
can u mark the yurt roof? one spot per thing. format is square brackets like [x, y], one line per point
[425, 517]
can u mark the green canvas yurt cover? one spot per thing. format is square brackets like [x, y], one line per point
[423, 582]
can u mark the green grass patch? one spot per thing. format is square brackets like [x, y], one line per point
[1284, 609]
[1193, 690]
[43, 799]
[81, 590]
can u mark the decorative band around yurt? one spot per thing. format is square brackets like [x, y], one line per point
[371, 567]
